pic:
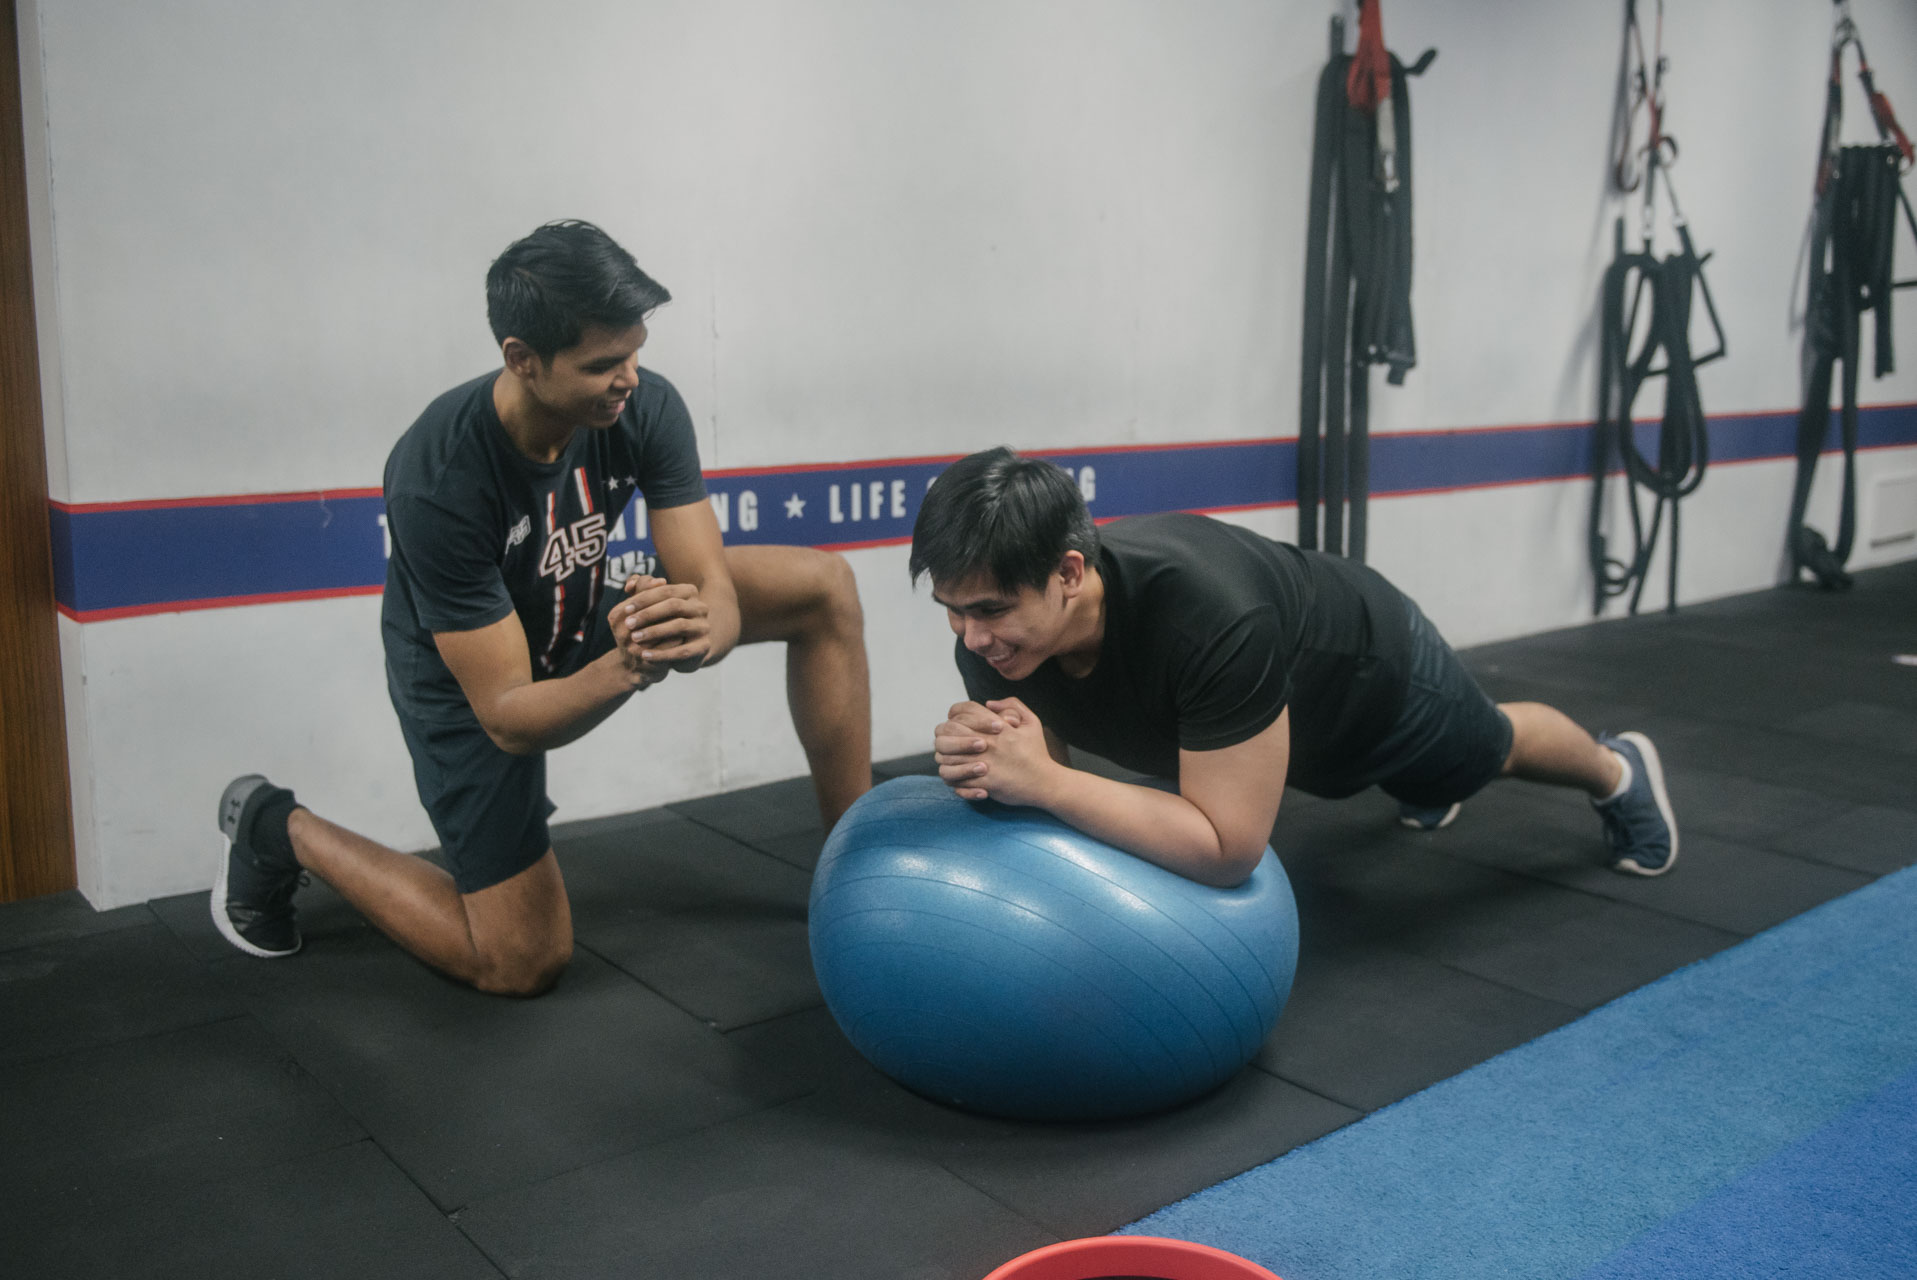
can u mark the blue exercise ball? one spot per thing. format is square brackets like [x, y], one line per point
[995, 959]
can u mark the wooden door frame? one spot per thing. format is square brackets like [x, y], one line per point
[36, 817]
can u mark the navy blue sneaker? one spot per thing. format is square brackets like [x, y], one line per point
[252, 899]
[1638, 825]
[1419, 818]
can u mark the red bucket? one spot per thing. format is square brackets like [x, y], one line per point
[1144, 1257]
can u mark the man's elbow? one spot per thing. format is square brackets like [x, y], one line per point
[1234, 866]
[508, 739]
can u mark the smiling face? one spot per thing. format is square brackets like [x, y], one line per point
[588, 383]
[1016, 630]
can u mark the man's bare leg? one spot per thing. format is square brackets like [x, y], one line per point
[809, 600]
[513, 938]
[1548, 746]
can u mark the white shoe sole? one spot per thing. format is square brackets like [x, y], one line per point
[217, 901]
[1450, 816]
[1654, 767]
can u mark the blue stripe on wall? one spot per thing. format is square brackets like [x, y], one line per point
[112, 561]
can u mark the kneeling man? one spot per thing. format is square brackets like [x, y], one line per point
[1189, 649]
[504, 638]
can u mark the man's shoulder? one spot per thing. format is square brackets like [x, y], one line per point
[1174, 532]
[448, 429]
[1180, 554]
[656, 404]
[1184, 584]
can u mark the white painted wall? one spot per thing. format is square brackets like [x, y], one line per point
[260, 232]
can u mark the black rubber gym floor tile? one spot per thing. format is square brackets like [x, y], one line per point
[1564, 945]
[1873, 614]
[1360, 878]
[1086, 1179]
[1310, 830]
[1074, 1179]
[58, 917]
[1861, 724]
[1773, 651]
[1851, 772]
[1708, 680]
[59, 997]
[865, 1102]
[89, 1132]
[1369, 1025]
[1560, 816]
[1867, 838]
[625, 870]
[472, 1094]
[799, 849]
[1740, 888]
[1405, 888]
[755, 813]
[806, 1048]
[782, 1193]
[1706, 803]
[1531, 935]
[344, 1212]
[1743, 810]
[729, 965]
[1674, 668]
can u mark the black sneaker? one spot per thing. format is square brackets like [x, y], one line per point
[1639, 825]
[252, 899]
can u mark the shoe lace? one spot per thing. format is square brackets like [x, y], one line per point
[1616, 833]
[279, 899]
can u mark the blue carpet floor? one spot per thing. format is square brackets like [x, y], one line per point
[1752, 1115]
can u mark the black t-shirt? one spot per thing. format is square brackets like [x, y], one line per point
[480, 531]
[1210, 632]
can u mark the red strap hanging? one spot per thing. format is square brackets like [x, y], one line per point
[1887, 126]
[1880, 112]
[1369, 81]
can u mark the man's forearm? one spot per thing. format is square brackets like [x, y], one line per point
[1158, 826]
[551, 713]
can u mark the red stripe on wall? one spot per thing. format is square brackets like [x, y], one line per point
[220, 500]
[217, 602]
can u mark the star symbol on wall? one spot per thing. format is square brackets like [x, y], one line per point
[794, 507]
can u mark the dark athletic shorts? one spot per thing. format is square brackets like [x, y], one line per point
[1449, 740]
[488, 807]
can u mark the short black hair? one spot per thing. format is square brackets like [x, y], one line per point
[1011, 517]
[547, 288]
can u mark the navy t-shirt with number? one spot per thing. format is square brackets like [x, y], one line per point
[481, 532]
[1210, 632]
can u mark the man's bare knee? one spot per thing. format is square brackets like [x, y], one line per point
[835, 604]
[524, 971]
[521, 931]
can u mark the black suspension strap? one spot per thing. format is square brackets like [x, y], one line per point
[1650, 301]
[1357, 276]
[1852, 241]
